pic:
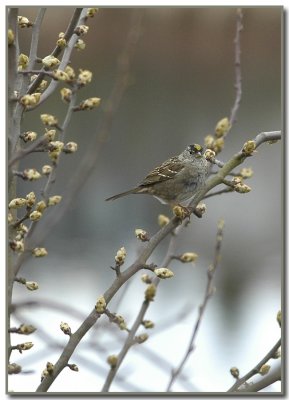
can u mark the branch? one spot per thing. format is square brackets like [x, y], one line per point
[208, 293]
[238, 77]
[268, 380]
[92, 318]
[256, 369]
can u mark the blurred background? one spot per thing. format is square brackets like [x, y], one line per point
[181, 84]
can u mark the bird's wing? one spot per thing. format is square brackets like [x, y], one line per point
[168, 170]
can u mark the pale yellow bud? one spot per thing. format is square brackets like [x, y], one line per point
[50, 61]
[46, 169]
[10, 37]
[17, 203]
[31, 285]
[28, 136]
[23, 61]
[242, 188]
[48, 119]
[100, 305]
[30, 99]
[222, 127]
[209, 155]
[43, 85]
[201, 208]
[31, 174]
[56, 146]
[218, 145]
[249, 147]
[264, 369]
[61, 42]
[235, 372]
[112, 360]
[150, 292]
[80, 44]
[180, 212]
[70, 147]
[60, 75]
[246, 172]
[73, 367]
[50, 134]
[26, 329]
[49, 367]
[237, 179]
[39, 252]
[90, 103]
[35, 216]
[91, 12]
[25, 346]
[53, 200]
[81, 30]
[66, 94]
[163, 273]
[142, 235]
[120, 256]
[70, 72]
[188, 257]
[44, 374]
[146, 278]
[65, 328]
[148, 324]
[141, 338]
[163, 220]
[40, 206]
[23, 22]
[84, 77]
[31, 198]
[209, 141]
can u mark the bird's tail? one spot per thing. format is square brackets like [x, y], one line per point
[117, 196]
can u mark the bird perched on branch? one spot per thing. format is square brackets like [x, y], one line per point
[175, 180]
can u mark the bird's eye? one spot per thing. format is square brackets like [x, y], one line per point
[195, 148]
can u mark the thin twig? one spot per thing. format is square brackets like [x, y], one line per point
[267, 380]
[238, 76]
[226, 190]
[256, 369]
[208, 293]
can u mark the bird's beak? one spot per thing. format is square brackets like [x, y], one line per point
[198, 154]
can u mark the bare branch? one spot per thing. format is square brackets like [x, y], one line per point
[256, 369]
[208, 293]
[268, 380]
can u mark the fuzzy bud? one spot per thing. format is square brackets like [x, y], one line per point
[65, 328]
[70, 73]
[73, 367]
[180, 212]
[249, 148]
[44, 374]
[264, 369]
[141, 338]
[112, 360]
[50, 134]
[218, 145]
[40, 206]
[23, 22]
[246, 172]
[222, 127]
[70, 147]
[209, 155]
[209, 141]
[146, 279]
[35, 215]
[46, 169]
[50, 61]
[188, 257]
[242, 188]
[163, 273]
[84, 77]
[60, 75]
[80, 44]
[28, 136]
[237, 179]
[26, 329]
[49, 367]
[150, 292]
[61, 42]
[120, 256]
[30, 199]
[235, 372]
[10, 37]
[142, 235]
[17, 245]
[29, 100]
[66, 94]
[100, 305]
[53, 200]
[91, 12]
[148, 324]
[17, 203]
[201, 208]
[30, 285]
[90, 103]
[31, 174]
[14, 368]
[25, 346]
[163, 220]
[39, 252]
[23, 61]
[81, 30]
[48, 119]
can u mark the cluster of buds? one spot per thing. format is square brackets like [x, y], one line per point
[48, 119]
[30, 199]
[222, 128]
[61, 42]
[30, 100]
[84, 77]
[23, 22]
[50, 61]
[100, 305]
[65, 328]
[214, 144]
[39, 252]
[112, 360]
[163, 273]
[80, 44]
[50, 134]
[23, 61]
[70, 147]
[55, 150]
[150, 292]
[142, 235]
[120, 256]
[239, 186]
[66, 94]
[89, 104]
[28, 136]
[188, 257]
[60, 75]
[120, 322]
[249, 148]
[163, 220]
